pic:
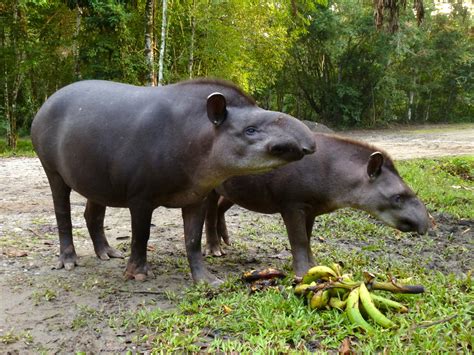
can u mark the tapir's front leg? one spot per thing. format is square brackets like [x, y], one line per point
[295, 222]
[193, 218]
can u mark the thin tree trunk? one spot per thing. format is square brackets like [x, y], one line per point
[163, 44]
[12, 132]
[374, 117]
[411, 96]
[75, 43]
[149, 42]
[191, 45]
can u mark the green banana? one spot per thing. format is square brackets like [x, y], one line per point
[319, 272]
[338, 292]
[320, 299]
[335, 302]
[387, 303]
[371, 309]
[353, 312]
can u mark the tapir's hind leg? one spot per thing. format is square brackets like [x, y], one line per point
[213, 242]
[309, 231]
[94, 215]
[62, 208]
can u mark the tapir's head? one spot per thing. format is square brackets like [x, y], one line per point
[387, 197]
[249, 139]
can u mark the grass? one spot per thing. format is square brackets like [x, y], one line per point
[231, 319]
[445, 184]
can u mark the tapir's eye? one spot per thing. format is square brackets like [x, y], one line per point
[397, 200]
[250, 131]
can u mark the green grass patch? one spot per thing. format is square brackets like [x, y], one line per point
[230, 319]
[24, 149]
[444, 185]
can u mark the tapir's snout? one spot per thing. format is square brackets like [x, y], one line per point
[419, 221]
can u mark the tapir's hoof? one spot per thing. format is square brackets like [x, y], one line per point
[226, 239]
[108, 252]
[213, 250]
[66, 261]
[132, 272]
[208, 278]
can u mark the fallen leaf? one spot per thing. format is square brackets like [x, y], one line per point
[345, 348]
[227, 309]
[15, 253]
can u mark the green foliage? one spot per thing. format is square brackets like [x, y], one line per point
[318, 60]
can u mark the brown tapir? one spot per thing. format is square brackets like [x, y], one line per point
[143, 147]
[342, 173]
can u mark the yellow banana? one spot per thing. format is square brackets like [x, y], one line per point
[309, 296]
[320, 299]
[335, 302]
[346, 278]
[302, 289]
[386, 303]
[371, 309]
[353, 312]
[319, 272]
[337, 268]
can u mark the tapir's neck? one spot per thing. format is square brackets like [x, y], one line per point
[343, 172]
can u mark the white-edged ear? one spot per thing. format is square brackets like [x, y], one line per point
[374, 165]
[216, 108]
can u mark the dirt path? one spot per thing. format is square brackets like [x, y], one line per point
[422, 142]
[57, 311]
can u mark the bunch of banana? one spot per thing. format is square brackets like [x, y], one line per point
[327, 287]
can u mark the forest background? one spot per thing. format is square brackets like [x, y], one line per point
[328, 61]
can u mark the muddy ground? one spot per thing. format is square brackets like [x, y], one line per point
[43, 309]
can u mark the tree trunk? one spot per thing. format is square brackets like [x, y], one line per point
[163, 44]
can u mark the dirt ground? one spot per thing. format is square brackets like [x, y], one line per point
[43, 309]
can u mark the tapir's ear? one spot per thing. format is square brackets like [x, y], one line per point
[216, 108]
[374, 165]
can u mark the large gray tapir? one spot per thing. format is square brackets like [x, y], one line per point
[143, 147]
[342, 173]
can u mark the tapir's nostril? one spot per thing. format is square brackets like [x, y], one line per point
[309, 150]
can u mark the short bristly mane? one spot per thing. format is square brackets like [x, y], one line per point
[364, 146]
[222, 83]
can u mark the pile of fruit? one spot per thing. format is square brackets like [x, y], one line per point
[327, 287]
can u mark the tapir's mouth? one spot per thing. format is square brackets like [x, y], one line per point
[406, 225]
[286, 151]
